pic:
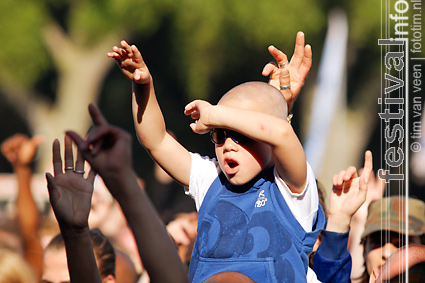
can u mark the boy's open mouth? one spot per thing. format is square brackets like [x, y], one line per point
[231, 167]
[233, 164]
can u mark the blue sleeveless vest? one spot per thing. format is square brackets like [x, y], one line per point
[251, 231]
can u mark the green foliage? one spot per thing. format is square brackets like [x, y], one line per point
[22, 54]
[92, 20]
[205, 29]
[364, 22]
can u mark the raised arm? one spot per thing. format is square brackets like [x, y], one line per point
[148, 118]
[108, 150]
[332, 261]
[20, 151]
[298, 69]
[287, 151]
[70, 196]
[348, 194]
[376, 189]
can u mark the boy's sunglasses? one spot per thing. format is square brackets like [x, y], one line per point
[219, 136]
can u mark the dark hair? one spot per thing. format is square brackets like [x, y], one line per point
[322, 200]
[103, 251]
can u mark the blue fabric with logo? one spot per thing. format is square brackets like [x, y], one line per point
[250, 229]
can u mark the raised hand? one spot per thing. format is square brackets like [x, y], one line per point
[107, 148]
[298, 68]
[199, 110]
[69, 191]
[131, 62]
[20, 149]
[349, 192]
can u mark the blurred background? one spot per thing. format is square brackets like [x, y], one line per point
[53, 63]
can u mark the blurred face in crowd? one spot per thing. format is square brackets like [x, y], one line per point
[379, 246]
[55, 267]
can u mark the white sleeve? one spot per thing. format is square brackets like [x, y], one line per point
[304, 205]
[202, 174]
[311, 276]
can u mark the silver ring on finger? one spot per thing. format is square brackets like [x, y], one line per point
[80, 171]
[281, 65]
[284, 87]
[69, 168]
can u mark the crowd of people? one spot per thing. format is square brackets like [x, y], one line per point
[258, 212]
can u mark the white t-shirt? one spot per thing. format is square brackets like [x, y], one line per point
[311, 276]
[303, 206]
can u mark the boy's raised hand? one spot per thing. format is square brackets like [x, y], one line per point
[298, 68]
[131, 62]
[69, 192]
[348, 194]
[199, 110]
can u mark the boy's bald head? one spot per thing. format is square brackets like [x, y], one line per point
[256, 96]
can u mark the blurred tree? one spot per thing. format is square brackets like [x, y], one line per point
[69, 39]
[53, 52]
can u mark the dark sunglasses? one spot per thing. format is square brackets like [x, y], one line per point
[219, 136]
[378, 239]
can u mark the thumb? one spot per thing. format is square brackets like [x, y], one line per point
[51, 187]
[193, 126]
[37, 140]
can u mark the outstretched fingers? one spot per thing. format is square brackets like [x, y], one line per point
[269, 69]
[307, 61]
[136, 54]
[344, 176]
[57, 160]
[126, 49]
[97, 116]
[285, 84]
[368, 166]
[78, 140]
[121, 53]
[351, 173]
[191, 109]
[69, 157]
[297, 57]
[279, 56]
[79, 164]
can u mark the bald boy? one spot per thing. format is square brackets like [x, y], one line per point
[257, 200]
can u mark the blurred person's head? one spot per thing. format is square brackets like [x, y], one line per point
[411, 257]
[385, 229]
[55, 265]
[229, 277]
[183, 231]
[14, 269]
[101, 205]
[125, 272]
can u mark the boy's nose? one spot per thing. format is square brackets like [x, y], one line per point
[229, 144]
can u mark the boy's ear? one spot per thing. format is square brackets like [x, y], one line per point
[108, 279]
